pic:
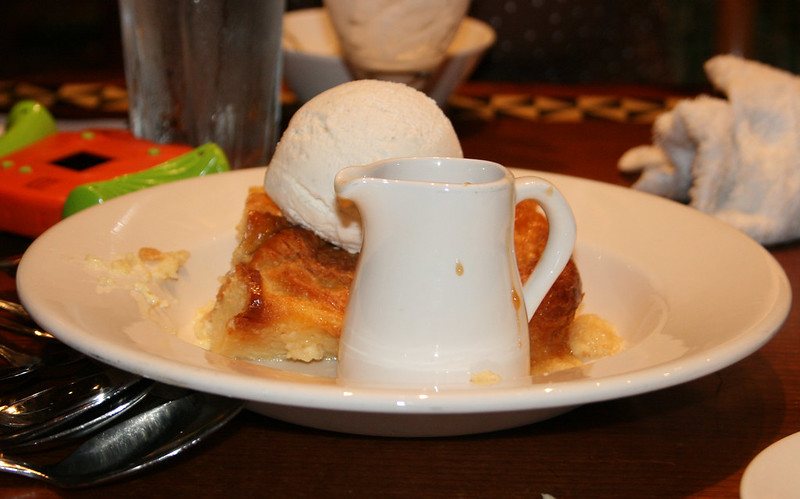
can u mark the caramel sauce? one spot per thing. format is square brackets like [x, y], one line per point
[515, 299]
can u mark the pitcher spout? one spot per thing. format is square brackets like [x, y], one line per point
[349, 182]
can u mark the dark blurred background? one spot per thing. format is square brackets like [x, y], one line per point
[660, 42]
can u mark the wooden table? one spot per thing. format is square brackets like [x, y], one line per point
[692, 440]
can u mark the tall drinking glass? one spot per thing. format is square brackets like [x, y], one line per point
[202, 71]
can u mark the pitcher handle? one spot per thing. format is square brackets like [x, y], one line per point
[560, 240]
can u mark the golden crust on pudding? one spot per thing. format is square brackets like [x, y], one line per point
[549, 328]
[286, 293]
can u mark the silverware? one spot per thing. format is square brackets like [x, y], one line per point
[58, 393]
[16, 359]
[10, 263]
[22, 364]
[25, 363]
[14, 309]
[88, 399]
[72, 426]
[20, 322]
[66, 399]
[134, 444]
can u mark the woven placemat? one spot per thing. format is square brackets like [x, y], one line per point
[98, 99]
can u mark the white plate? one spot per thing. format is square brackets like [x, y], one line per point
[774, 471]
[689, 294]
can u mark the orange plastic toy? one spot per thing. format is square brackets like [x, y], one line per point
[36, 178]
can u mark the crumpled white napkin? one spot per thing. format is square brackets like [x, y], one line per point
[737, 159]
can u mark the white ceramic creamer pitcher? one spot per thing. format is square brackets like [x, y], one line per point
[436, 298]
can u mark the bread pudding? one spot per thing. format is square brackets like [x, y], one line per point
[287, 289]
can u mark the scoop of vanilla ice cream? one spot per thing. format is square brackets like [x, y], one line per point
[356, 123]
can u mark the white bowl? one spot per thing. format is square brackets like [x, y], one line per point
[313, 59]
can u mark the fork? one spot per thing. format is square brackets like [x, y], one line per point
[10, 263]
[58, 393]
[21, 323]
[23, 364]
[67, 399]
[71, 426]
[15, 309]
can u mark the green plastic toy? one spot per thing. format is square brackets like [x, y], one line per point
[28, 122]
[204, 160]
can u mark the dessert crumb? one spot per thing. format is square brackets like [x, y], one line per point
[485, 378]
